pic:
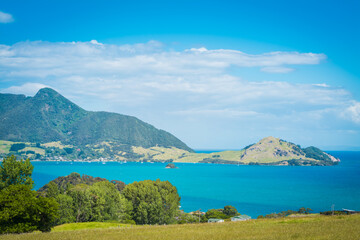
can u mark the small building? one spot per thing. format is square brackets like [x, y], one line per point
[215, 220]
[348, 211]
[240, 218]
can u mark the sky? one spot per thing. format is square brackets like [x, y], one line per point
[216, 74]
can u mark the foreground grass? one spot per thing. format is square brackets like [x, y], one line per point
[315, 227]
[88, 225]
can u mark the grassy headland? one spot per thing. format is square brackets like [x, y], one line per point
[313, 227]
[268, 151]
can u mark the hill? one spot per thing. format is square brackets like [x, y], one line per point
[49, 117]
[268, 151]
[314, 227]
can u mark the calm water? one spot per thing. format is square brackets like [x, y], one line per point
[253, 190]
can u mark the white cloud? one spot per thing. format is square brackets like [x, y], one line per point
[29, 89]
[321, 85]
[353, 112]
[59, 59]
[194, 80]
[197, 91]
[216, 112]
[6, 17]
[277, 69]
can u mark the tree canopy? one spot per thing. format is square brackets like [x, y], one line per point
[21, 209]
[14, 172]
[154, 202]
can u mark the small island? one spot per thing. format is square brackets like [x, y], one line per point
[171, 165]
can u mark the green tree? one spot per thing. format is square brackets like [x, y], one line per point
[230, 211]
[183, 217]
[47, 209]
[22, 211]
[154, 202]
[52, 190]
[14, 172]
[81, 202]
[304, 210]
[107, 203]
[66, 212]
[170, 201]
[215, 213]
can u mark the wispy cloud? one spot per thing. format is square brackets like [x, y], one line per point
[277, 69]
[6, 17]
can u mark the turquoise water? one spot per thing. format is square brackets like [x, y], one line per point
[253, 190]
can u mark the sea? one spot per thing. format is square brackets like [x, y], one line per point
[253, 190]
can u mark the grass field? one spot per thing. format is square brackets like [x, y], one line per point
[88, 225]
[314, 227]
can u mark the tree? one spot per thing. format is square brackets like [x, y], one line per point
[107, 203]
[81, 202]
[52, 190]
[183, 217]
[47, 209]
[230, 211]
[66, 210]
[154, 202]
[22, 211]
[16, 147]
[304, 210]
[170, 201]
[215, 213]
[14, 172]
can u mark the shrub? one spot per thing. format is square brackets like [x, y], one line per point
[17, 146]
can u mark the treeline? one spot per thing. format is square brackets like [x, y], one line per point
[85, 199]
[197, 216]
[79, 199]
[302, 210]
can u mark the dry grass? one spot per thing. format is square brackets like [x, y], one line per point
[57, 144]
[316, 227]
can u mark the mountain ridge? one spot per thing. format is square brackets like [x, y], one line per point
[48, 117]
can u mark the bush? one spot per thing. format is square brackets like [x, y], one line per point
[69, 150]
[17, 146]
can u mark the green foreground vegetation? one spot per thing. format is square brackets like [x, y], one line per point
[88, 225]
[313, 227]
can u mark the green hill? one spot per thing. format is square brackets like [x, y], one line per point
[268, 151]
[50, 117]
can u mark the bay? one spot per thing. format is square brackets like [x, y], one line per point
[253, 190]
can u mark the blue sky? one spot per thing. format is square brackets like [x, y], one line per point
[217, 74]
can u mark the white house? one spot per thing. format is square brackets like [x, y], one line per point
[215, 220]
[241, 218]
